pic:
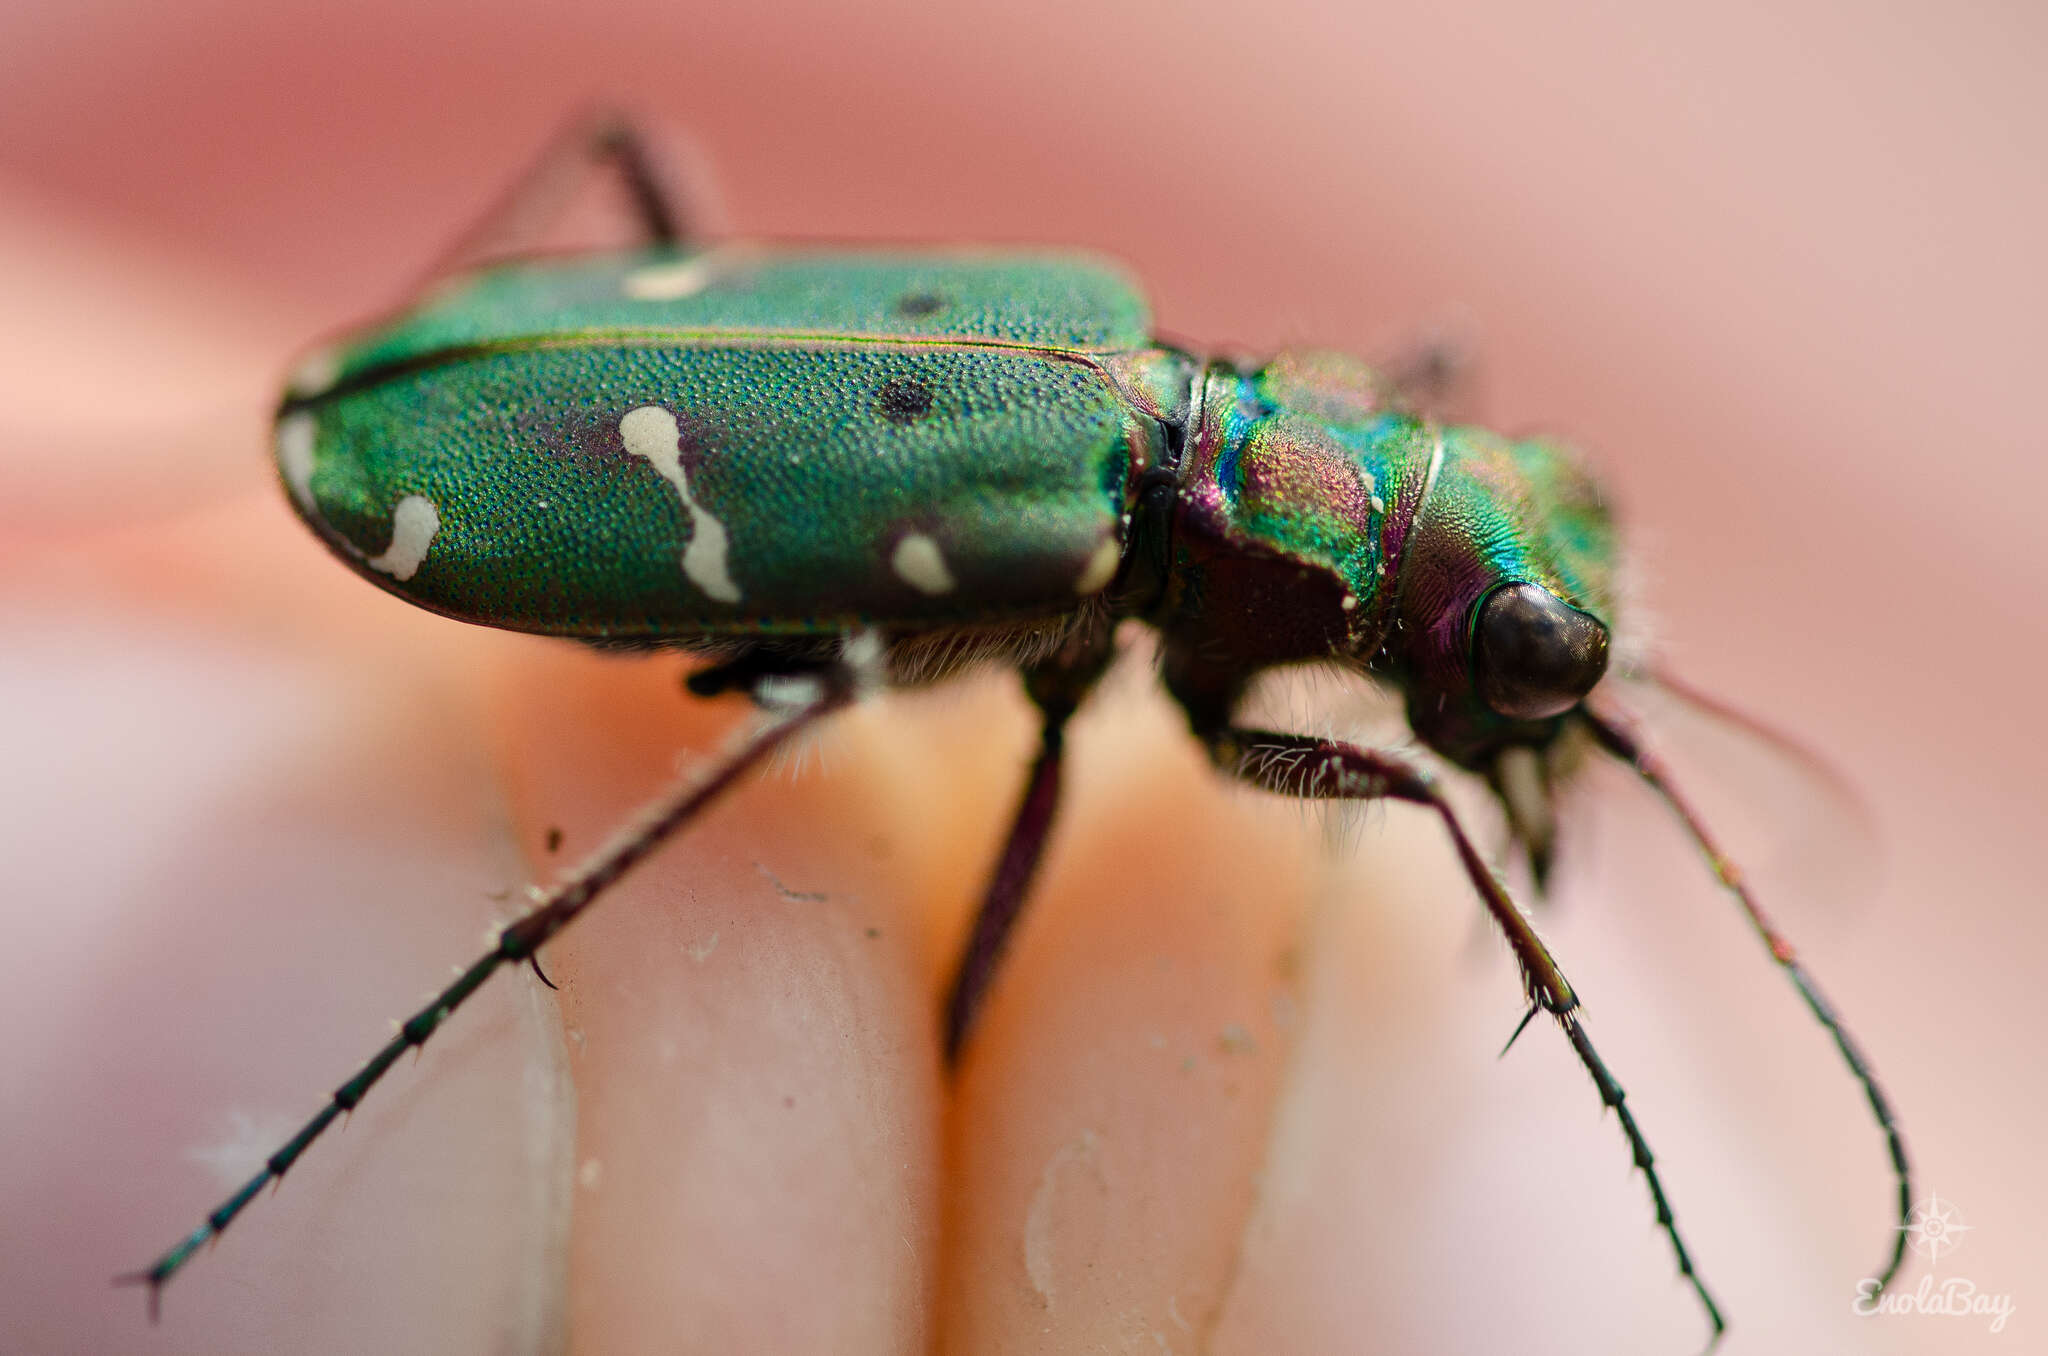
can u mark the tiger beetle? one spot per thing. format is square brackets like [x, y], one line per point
[827, 470]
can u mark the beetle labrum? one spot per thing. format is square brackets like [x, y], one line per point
[831, 469]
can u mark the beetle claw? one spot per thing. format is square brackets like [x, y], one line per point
[533, 959]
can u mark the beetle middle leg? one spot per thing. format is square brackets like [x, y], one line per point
[1326, 769]
[1056, 687]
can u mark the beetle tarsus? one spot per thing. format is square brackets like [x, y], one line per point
[540, 974]
[156, 1289]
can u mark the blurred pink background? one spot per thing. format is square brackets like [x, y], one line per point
[1777, 267]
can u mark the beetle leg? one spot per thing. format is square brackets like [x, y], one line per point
[791, 712]
[540, 974]
[1433, 376]
[752, 670]
[1616, 733]
[605, 139]
[1326, 769]
[1004, 899]
[1057, 688]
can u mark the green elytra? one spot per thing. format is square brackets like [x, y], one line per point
[974, 419]
[831, 468]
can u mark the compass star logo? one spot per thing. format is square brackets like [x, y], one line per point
[1935, 1227]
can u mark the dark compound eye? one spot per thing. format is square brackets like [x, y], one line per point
[901, 400]
[1534, 655]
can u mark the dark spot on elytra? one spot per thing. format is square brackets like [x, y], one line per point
[588, 441]
[902, 400]
[915, 304]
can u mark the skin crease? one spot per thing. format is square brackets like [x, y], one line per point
[1234, 1091]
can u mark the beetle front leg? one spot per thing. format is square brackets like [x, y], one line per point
[1326, 769]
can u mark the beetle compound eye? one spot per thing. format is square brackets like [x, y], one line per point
[1534, 655]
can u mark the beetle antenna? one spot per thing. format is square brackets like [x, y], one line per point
[1793, 749]
[517, 942]
[1616, 732]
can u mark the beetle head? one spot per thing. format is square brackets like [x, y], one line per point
[1504, 597]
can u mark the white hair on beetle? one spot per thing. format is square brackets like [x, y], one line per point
[1337, 703]
[1632, 630]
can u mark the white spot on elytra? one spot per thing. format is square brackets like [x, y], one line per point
[669, 282]
[652, 432]
[1379, 505]
[413, 525]
[295, 435]
[1100, 569]
[315, 374]
[918, 563]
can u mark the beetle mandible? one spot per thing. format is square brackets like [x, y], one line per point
[828, 470]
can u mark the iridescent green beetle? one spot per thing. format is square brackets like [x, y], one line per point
[831, 469]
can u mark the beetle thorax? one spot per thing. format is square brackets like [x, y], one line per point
[1296, 486]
